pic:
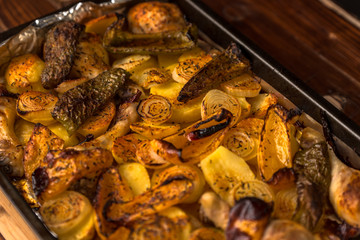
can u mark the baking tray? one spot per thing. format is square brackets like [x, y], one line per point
[262, 65]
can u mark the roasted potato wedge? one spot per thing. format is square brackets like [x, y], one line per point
[136, 176]
[223, 170]
[261, 103]
[23, 130]
[277, 143]
[24, 73]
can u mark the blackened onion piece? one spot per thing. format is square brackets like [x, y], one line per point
[40, 180]
[248, 219]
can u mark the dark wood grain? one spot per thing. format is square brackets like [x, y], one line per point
[313, 42]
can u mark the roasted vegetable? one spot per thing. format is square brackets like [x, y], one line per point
[181, 219]
[23, 130]
[69, 84]
[41, 142]
[155, 227]
[59, 50]
[213, 208]
[215, 100]
[155, 109]
[157, 154]
[231, 63]
[99, 122]
[135, 63]
[223, 170]
[69, 215]
[243, 138]
[261, 103]
[81, 102]
[172, 191]
[36, 107]
[254, 188]
[100, 24]
[11, 151]
[248, 219]
[169, 90]
[344, 191]
[207, 233]
[312, 168]
[154, 131]
[23, 74]
[90, 60]
[111, 186]
[190, 172]
[154, 17]
[151, 77]
[124, 147]
[285, 203]
[118, 40]
[283, 229]
[245, 85]
[60, 131]
[136, 176]
[61, 168]
[186, 69]
[277, 143]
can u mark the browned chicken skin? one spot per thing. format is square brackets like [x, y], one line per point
[155, 17]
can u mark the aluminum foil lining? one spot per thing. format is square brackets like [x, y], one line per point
[31, 38]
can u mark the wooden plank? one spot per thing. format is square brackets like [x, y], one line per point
[12, 225]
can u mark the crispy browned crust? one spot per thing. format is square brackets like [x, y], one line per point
[41, 141]
[59, 51]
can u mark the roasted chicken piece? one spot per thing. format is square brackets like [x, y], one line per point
[155, 17]
[59, 51]
[63, 167]
[11, 151]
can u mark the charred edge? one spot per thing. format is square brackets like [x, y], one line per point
[134, 98]
[174, 178]
[223, 114]
[6, 93]
[205, 132]
[183, 97]
[293, 113]
[250, 208]
[88, 138]
[122, 220]
[330, 139]
[40, 180]
[191, 33]
[20, 112]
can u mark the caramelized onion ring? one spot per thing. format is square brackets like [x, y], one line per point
[155, 109]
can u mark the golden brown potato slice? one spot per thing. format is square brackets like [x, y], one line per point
[277, 143]
[69, 84]
[100, 24]
[42, 140]
[23, 74]
[99, 123]
[136, 176]
[63, 167]
[245, 85]
[261, 103]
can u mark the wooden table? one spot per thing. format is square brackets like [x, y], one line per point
[314, 39]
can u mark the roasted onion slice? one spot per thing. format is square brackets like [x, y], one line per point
[215, 100]
[285, 203]
[188, 68]
[254, 188]
[36, 107]
[155, 109]
[245, 85]
[243, 138]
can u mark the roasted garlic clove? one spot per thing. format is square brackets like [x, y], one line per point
[248, 219]
[11, 151]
